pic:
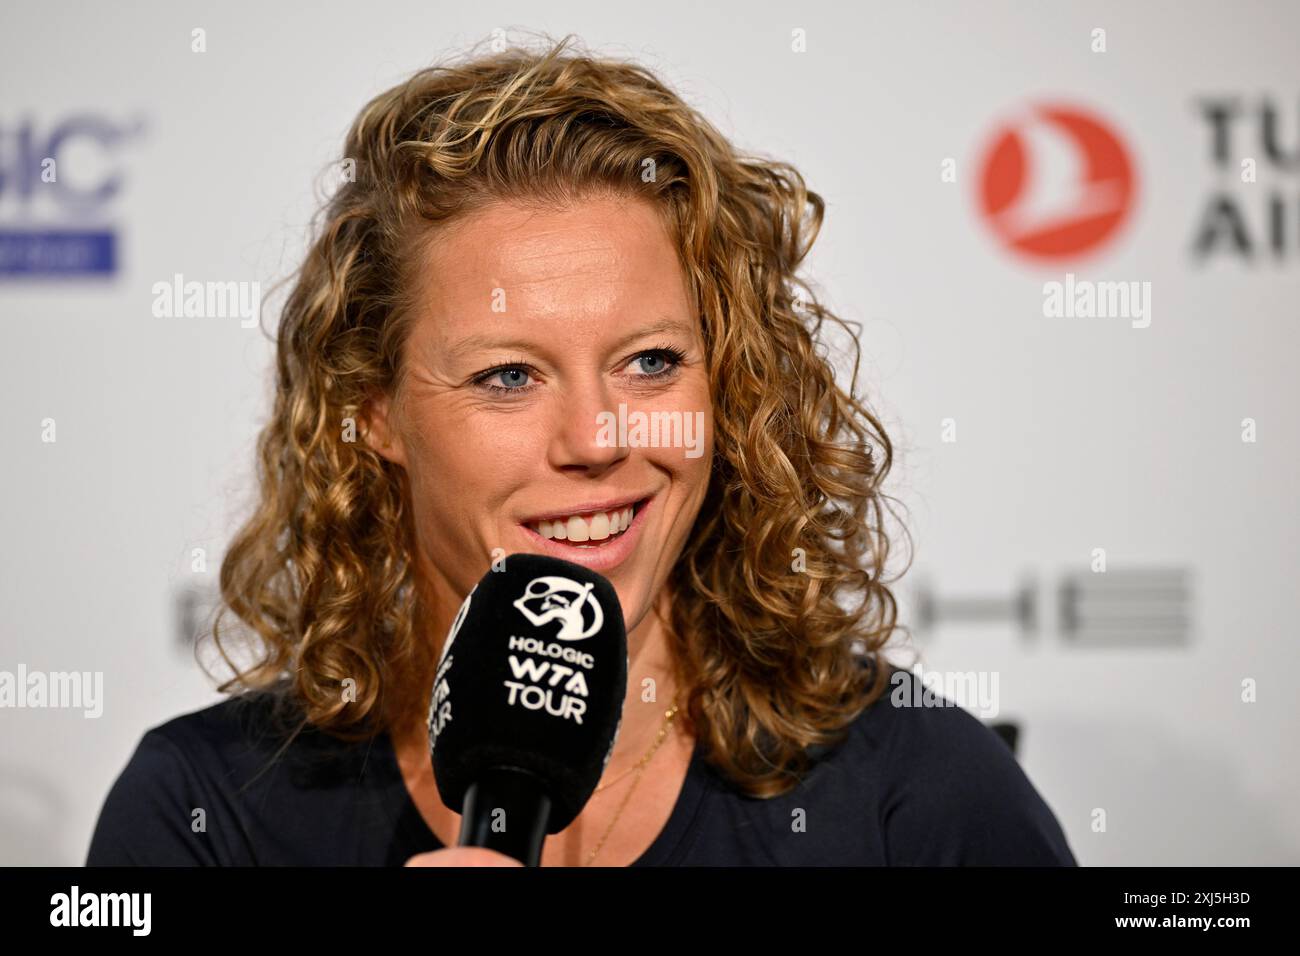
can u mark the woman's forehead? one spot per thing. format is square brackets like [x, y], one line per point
[506, 238]
[598, 268]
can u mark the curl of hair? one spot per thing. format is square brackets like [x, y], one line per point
[780, 596]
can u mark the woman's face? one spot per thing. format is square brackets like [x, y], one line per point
[541, 340]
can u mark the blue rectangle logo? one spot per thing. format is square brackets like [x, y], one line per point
[57, 252]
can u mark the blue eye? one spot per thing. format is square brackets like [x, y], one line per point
[662, 356]
[514, 376]
[652, 357]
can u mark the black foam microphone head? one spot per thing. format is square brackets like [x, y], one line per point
[532, 676]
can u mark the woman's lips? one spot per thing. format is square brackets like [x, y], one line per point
[597, 555]
[581, 527]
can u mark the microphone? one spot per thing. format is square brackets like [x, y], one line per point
[527, 701]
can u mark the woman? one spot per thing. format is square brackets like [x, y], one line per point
[527, 247]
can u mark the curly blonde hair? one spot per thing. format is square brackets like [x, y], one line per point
[780, 595]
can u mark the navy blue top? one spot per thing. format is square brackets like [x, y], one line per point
[908, 786]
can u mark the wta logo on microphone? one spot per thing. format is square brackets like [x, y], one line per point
[548, 674]
[440, 706]
[545, 674]
[552, 598]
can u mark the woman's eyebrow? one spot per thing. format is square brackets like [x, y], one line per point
[475, 342]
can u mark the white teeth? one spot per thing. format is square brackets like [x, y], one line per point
[597, 527]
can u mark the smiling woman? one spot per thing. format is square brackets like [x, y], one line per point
[535, 242]
[528, 326]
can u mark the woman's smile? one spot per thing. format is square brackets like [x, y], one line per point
[600, 539]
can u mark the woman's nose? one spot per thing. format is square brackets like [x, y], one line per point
[580, 435]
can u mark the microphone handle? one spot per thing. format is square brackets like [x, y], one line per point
[506, 810]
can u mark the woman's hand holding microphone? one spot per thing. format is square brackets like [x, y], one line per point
[463, 856]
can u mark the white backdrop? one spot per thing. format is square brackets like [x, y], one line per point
[1072, 434]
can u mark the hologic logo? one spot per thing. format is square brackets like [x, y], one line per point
[1056, 184]
[57, 186]
[553, 598]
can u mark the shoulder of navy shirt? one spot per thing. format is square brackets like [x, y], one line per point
[906, 786]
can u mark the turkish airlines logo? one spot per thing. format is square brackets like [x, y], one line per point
[1057, 184]
[553, 598]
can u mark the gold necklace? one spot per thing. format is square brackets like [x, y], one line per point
[663, 731]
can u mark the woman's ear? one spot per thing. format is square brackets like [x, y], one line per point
[379, 428]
